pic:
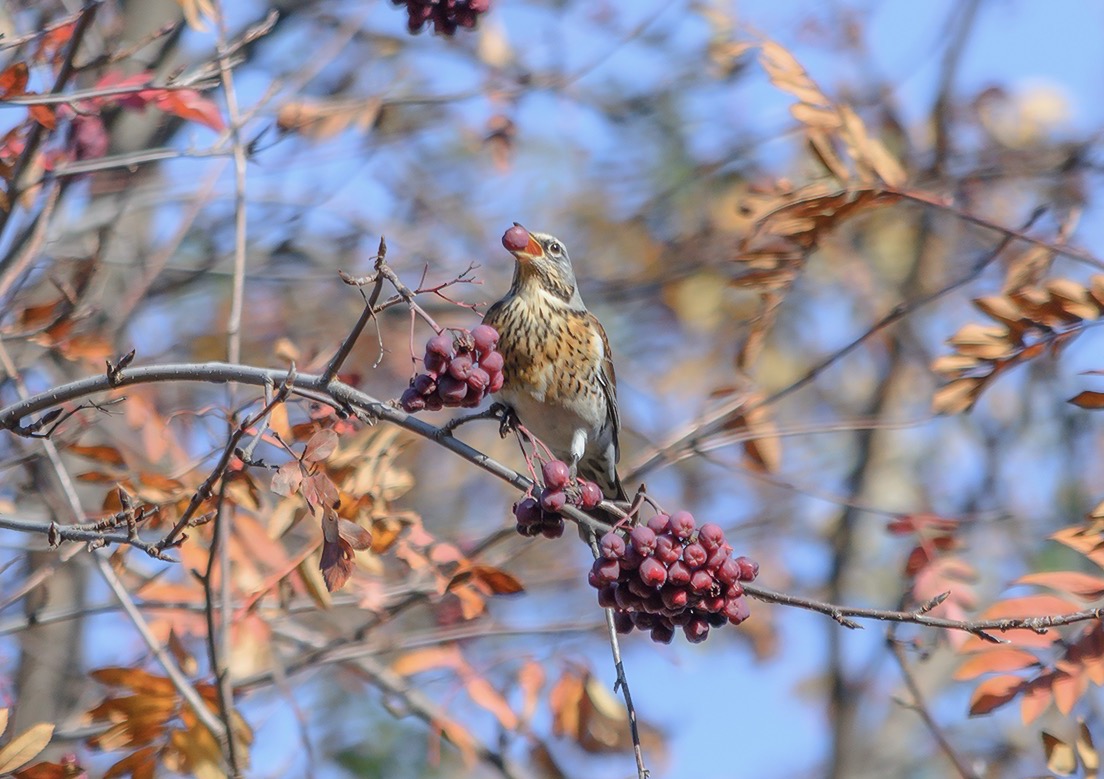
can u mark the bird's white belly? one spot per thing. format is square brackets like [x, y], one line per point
[558, 427]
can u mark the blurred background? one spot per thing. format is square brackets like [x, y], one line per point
[660, 142]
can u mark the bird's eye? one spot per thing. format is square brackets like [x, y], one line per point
[555, 249]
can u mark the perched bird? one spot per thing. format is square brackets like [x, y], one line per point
[558, 369]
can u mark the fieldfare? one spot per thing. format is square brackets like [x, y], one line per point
[558, 369]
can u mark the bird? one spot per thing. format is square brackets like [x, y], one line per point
[558, 371]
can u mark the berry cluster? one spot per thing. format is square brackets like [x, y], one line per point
[446, 15]
[541, 516]
[458, 372]
[670, 574]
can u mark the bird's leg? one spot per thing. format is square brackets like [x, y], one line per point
[494, 411]
[507, 420]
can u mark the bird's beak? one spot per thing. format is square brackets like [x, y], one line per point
[511, 241]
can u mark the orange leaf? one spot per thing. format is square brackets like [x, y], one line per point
[1080, 585]
[137, 765]
[190, 105]
[1036, 698]
[1087, 399]
[994, 693]
[1029, 606]
[530, 680]
[44, 115]
[497, 581]
[489, 698]
[135, 679]
[1067, 689]
[105, 454]
[432, 657]
[13, 81]
[996, 660]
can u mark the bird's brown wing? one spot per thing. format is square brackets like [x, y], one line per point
[607, 378]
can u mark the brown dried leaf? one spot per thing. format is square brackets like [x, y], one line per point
[320, 120]
[103, 454]
[136, 680]
[13, 80]
[23, 748]
[137, 765]
[1090, 758]
[287, 479]
[958, 396]
[1061, 758]
[320, 446]
[497, 581]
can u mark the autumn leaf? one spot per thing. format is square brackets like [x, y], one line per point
[13, 80]
[191, 106]
[994, 693]
[23, 748]
[1089, 400]
[320, 446]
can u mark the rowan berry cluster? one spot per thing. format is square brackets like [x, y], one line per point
[459, 371]
[669, 574]
[445, 15]
[541, 515]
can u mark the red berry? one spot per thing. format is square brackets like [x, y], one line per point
[478, 380]
[516, 238]
[607, 596]
[533, 530]
[701, 582]
[433, 402]
[658, 523]
[733, 591]
[667, 549]
[674, 597]
[553, 500]
[626, 600]
[472, 399]
[632, 558]
[713, 602]
[460, 367]
[643, 620]
[556, 474]
[491, 362]
[643, 539]
[636, 586]
[694, 555]
[435, 364]
[606, 571]
[439, 345]
[527, 512]
[696, 630]
[612, 546]
[485, 338]
[425, 384]
[663, 632]
[678, 574]
[749, 569]
[737, 610]
[412, 400]
[652, 572]
[590, 494]
[716, 619]
[711, 536]
[553, 529]
[716, 559]
[682, 525]
[622, 622]
[729, 572]
[452, 391]
[497, 380]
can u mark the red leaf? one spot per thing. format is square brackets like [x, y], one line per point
[994, 693]
[190, 105]
[136, 99]
[13, 80]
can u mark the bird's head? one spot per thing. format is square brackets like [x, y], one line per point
[542, 262]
